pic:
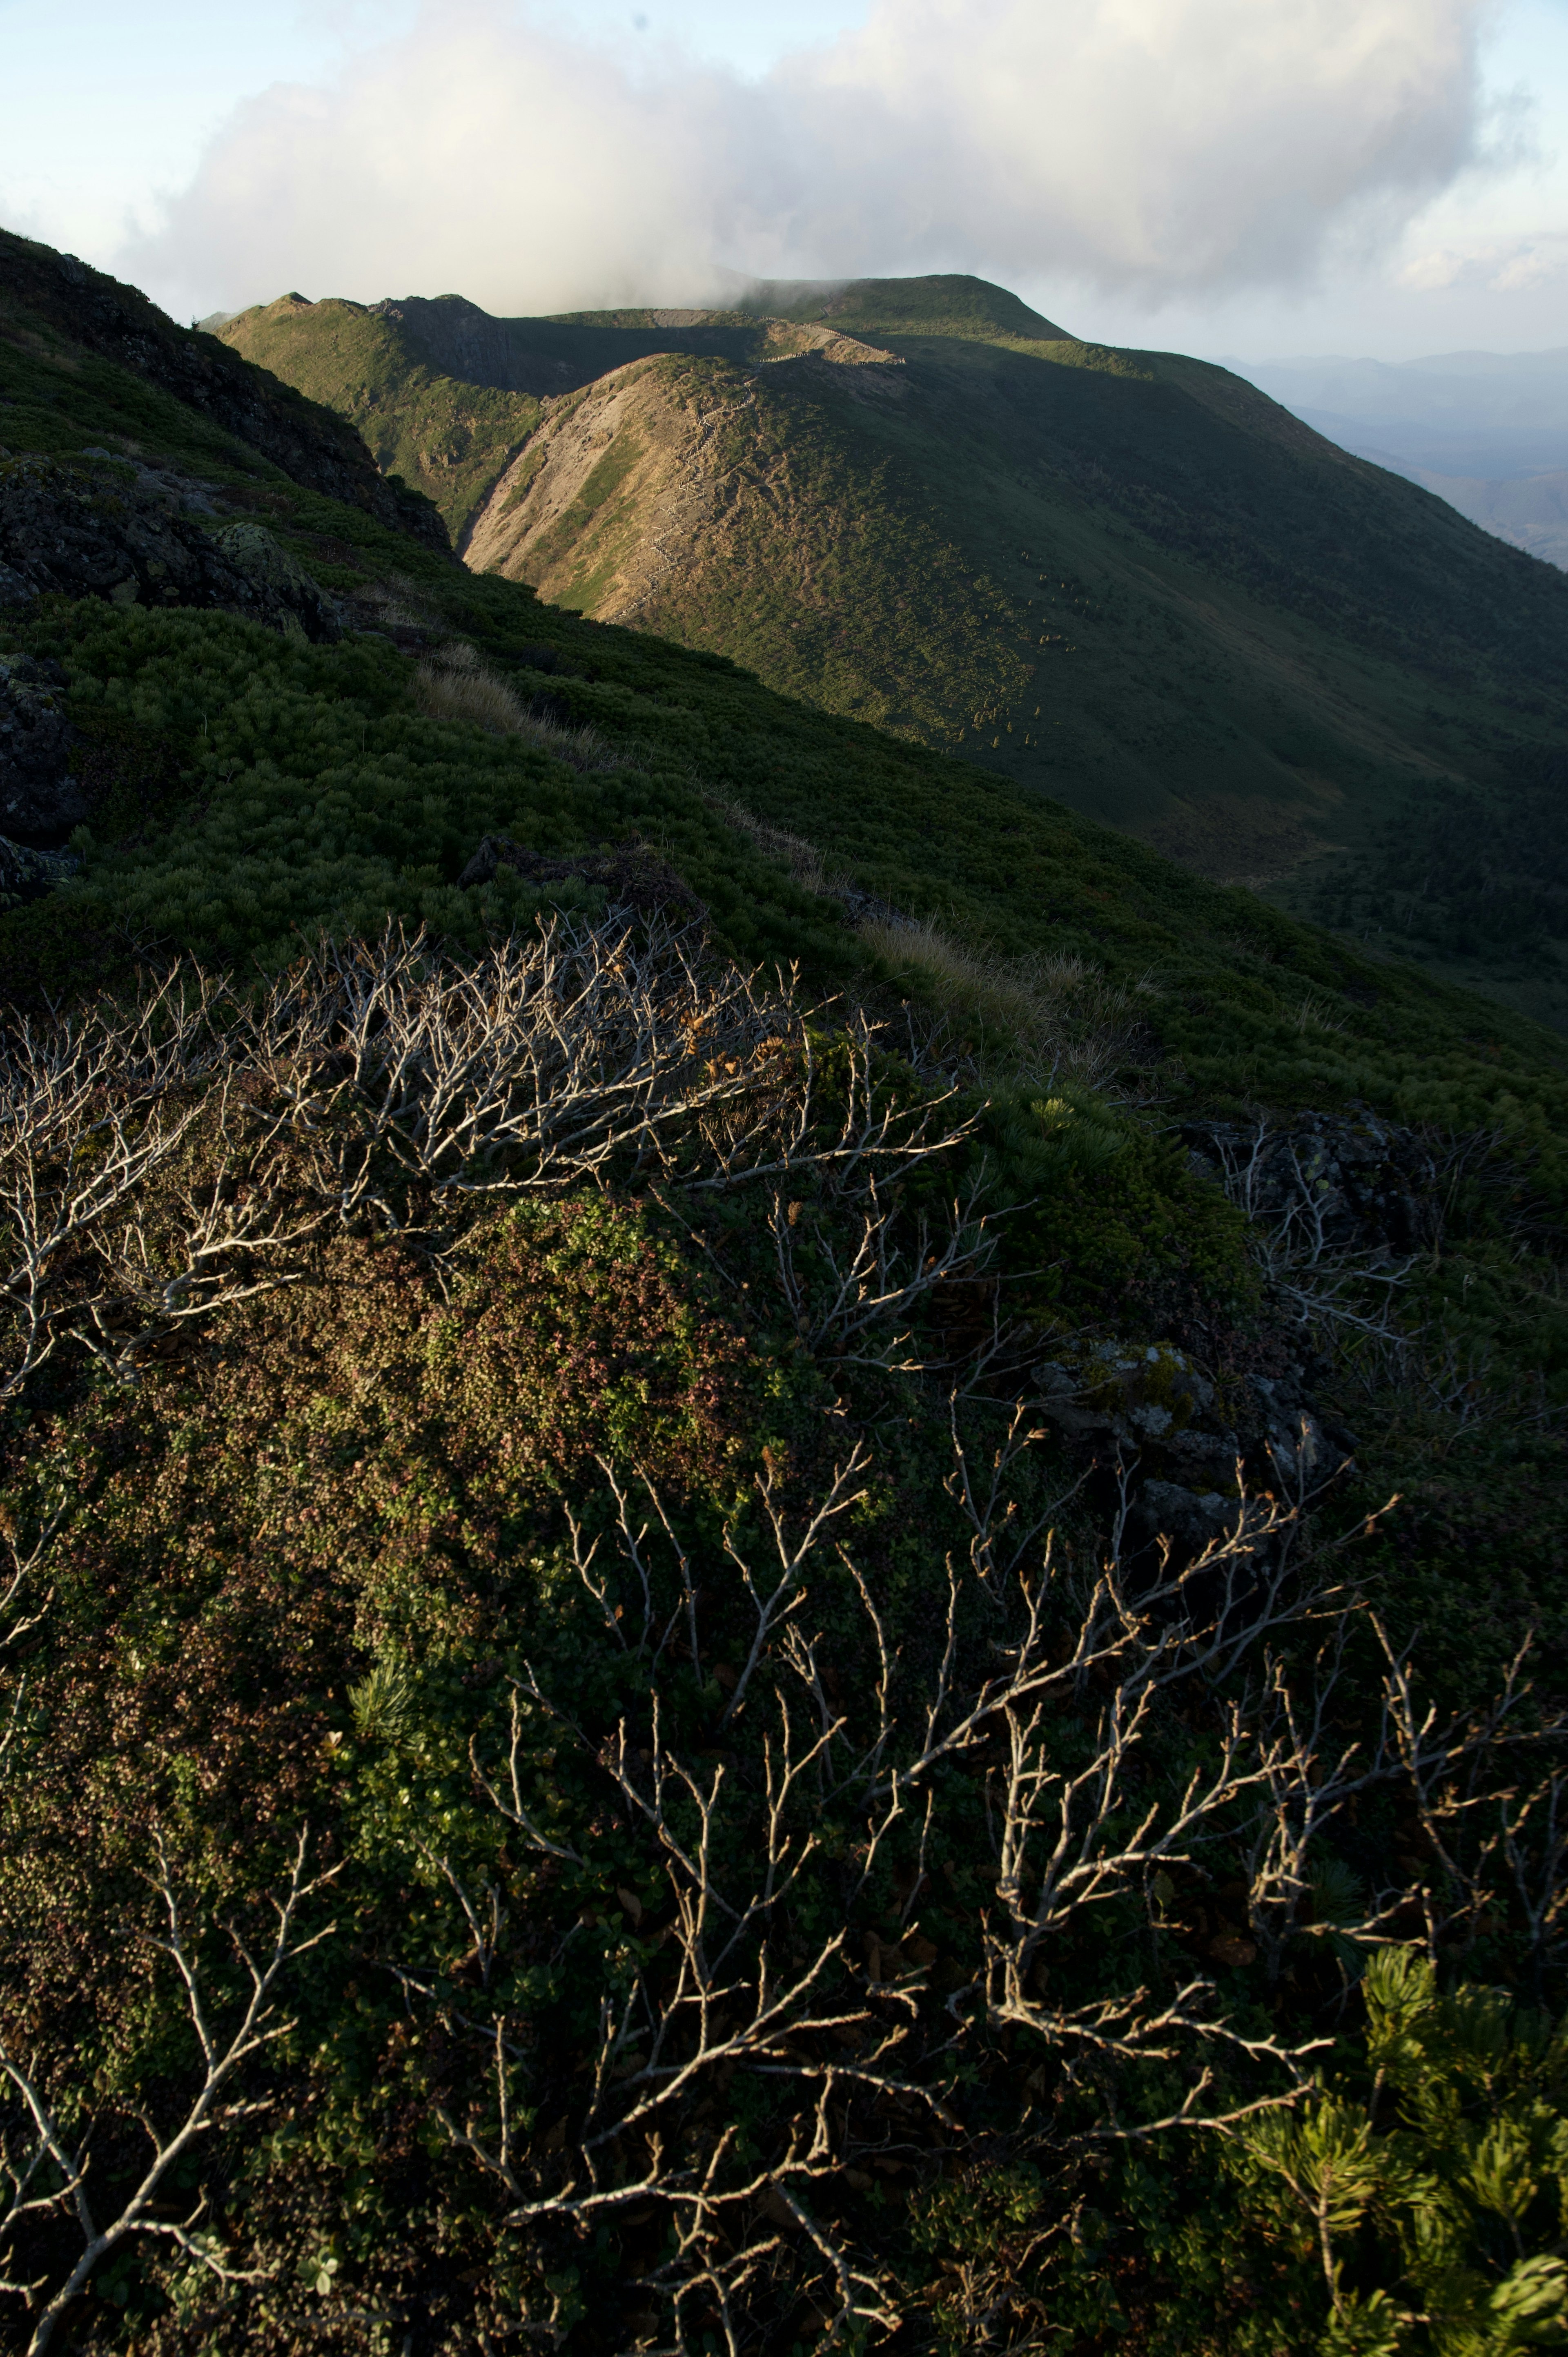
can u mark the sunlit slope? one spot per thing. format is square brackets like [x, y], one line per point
[448, 437]
[1127, 579]
[445, 395]
[724, 506]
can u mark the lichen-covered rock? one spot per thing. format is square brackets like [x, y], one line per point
[1136, 1393]
[1344, 1183]
[273, 573]
[92, 534]
[27, 875]
[38, 796]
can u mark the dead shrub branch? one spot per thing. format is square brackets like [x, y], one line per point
[1149, 1729]
[47, 2163]
[160, 1164]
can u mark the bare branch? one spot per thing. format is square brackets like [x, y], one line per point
[223, 2056]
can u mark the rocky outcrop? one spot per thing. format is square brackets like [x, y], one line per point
[1177, 1450]
[83, 532]
[1149, 1415]
[317, 449]
[1344, 1183]
[38, 797]
[276, 580]
[27, 875]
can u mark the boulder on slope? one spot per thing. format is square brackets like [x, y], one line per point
[81, 533]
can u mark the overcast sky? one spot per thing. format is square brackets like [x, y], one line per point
[1249, 177]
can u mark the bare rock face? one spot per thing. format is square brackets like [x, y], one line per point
[38, 797]
[84, 534]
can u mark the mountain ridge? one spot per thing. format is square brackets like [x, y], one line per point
[953, 303]
[1128, 579]
[120, 324]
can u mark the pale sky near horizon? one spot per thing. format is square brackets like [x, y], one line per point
[193, 147]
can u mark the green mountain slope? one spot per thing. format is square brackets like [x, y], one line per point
[446, 396]
[56, 304]
[944, 305]
[698, 1411]
[449, 436]
[1126, 579]
[897, 820]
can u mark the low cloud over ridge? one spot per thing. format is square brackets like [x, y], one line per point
[1154, 147]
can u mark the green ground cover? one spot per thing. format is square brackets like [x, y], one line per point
[416, 1493]
[448, 438]
[1125, 579]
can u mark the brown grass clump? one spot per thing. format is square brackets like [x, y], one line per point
[470, 694]
[1043, 1019]
[805, 863]
[1049, 1017]
[452, 684]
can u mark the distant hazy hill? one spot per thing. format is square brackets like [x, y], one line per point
[1129, 578]
[1530, 511]
[1487, 431]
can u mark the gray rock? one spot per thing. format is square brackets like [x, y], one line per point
[27, 875]
[275, 574]
[1190, 1519]
[85, 533]
[865, 909]
[38, 797]
[1205, 1452]
[1354, 1182]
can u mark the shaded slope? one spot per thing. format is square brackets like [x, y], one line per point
[306, 440]
[449, 436]
[1009, 869]
[130, 449]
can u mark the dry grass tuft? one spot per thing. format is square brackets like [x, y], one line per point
[1316, 1014]
[805, 863]
[454, 684]
[1040, 1019]
[471, 694]
[1047, 1018]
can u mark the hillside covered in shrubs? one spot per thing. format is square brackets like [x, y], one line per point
[1125, 578]
[782, 1555]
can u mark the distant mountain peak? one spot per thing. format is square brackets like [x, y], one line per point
[950, 302]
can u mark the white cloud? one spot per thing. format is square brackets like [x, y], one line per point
[1428, 274]
[1147, 146]
[1532, 265]
[1514, 265]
